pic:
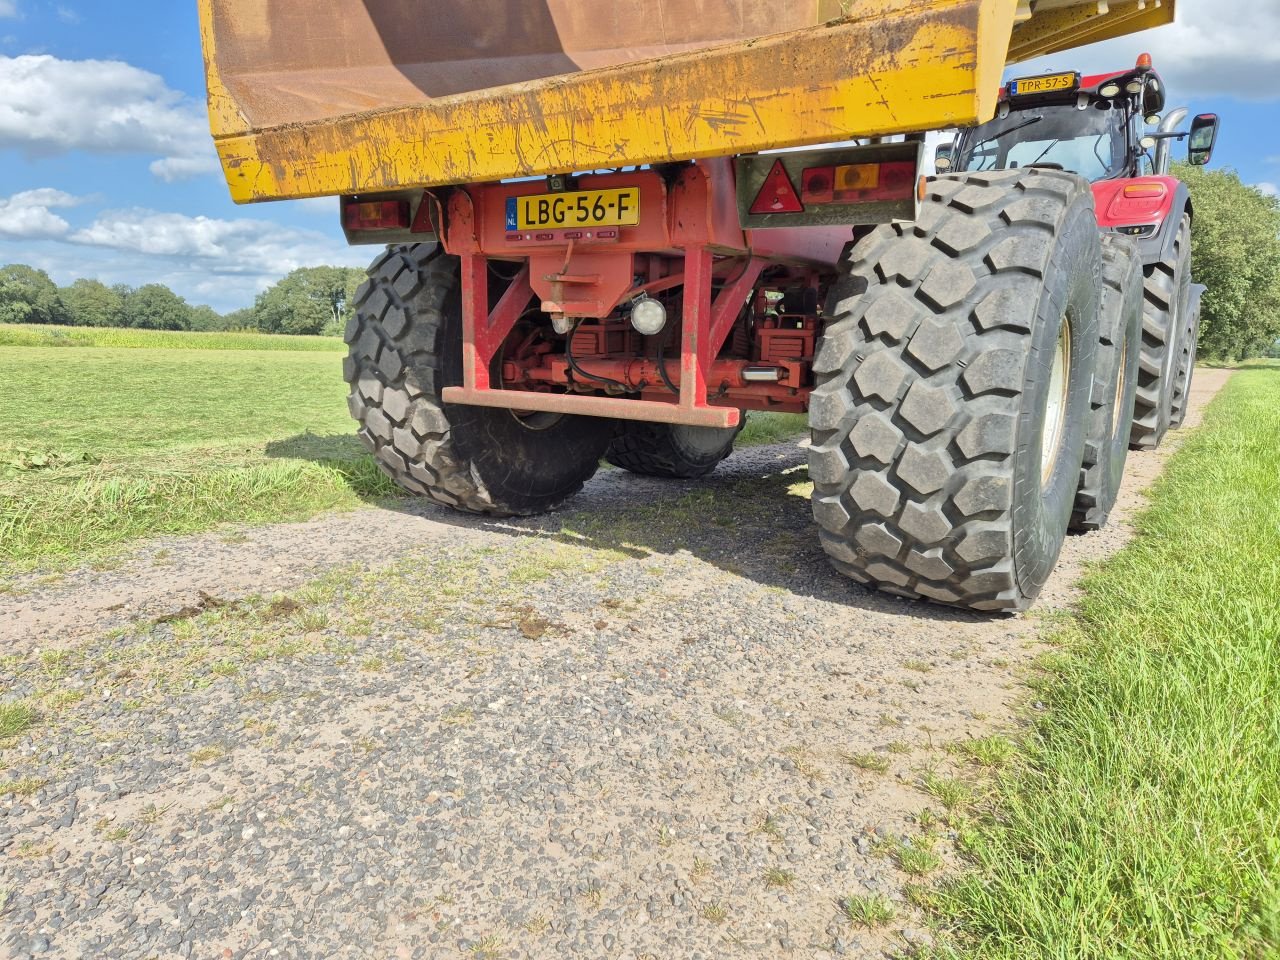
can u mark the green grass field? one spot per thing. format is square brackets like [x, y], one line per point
[43, 335]
[1143, 819]
[102, 445]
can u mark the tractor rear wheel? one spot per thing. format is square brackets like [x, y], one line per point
[953, 389]
[1186, 361]
[1166, 289]
[405, 347]
[1115, 382]
[671, 450]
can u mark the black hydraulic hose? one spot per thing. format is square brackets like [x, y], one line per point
[662, 370]
[573, 364]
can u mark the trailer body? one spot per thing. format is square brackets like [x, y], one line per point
[324, 97]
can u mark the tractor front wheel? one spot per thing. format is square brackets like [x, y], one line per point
[1166, 291]
[1115, 382]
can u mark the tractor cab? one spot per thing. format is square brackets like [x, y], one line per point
[1094, 126]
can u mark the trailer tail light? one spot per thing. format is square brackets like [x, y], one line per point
[1145, 190]
[834, 186]
[858, 182]
[377, 215]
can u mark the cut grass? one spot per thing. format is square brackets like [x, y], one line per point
[101, 446]
[764, 428]
[1141, 818]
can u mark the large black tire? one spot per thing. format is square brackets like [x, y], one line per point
[1166, 289]
[405, 347]
[933, 387]
[671, 450]
[1186, 360]
[1115, 381]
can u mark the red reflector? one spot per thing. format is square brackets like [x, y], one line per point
[606, 234]
[378, 215]
[1144, 190]
[777, 193]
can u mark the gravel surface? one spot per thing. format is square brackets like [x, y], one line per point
[653, 725]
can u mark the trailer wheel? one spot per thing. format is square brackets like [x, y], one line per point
[1186, 362]
[1165, 291]
[1115, 382]
[405, 346]
[671, 450]
[953, 389]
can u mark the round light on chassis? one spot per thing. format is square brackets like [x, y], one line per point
[648, 316]
[1109, 90]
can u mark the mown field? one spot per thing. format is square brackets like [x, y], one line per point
[134, 433]
[1142, 818]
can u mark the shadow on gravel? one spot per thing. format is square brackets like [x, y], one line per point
[751, 518]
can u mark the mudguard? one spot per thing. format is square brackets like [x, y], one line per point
[1161, 209]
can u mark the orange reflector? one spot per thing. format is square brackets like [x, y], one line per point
[777, 193]
[1144, 190]
[377, 215]
[857, 176]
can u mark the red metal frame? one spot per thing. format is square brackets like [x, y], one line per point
[689, 227]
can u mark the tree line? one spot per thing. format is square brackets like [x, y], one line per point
[310, 300]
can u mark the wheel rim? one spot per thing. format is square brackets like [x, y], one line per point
[1117, 412]
[1055, 413]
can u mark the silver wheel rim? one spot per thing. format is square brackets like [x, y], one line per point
[1055, 412]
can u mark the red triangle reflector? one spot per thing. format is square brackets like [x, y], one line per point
[777, 194]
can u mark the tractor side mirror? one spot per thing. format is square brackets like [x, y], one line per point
[942, 156]
[1200, 141]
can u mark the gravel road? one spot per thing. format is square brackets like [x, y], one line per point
[653, 725]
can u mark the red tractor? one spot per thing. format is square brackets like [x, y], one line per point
[1096, 126]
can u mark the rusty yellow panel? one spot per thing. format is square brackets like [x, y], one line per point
[1079, 23]
[890, 66]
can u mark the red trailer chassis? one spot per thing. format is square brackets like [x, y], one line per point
[687, 245]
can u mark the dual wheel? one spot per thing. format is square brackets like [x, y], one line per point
[974, 390]
[405, 346]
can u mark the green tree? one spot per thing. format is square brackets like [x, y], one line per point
[1235, 252]
[308, 300]
[206, 319]
[156, 307]
[91, 303]
[241, 319]
[27, 295]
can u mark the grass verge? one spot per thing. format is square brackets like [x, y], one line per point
[1142, 817]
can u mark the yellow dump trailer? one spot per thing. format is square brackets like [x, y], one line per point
[315, 97]
[596, 247]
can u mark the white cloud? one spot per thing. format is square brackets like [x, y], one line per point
[30, 215]
[8, 8]
[173, 169]
[1216, 47]
[67, 15]
[51, 106]
[224, 246]
[1270, 189]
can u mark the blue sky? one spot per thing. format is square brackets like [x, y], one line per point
[106, 168]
